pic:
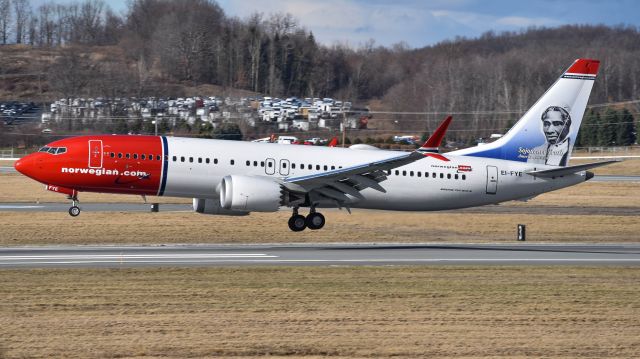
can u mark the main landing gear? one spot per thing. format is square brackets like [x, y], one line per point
[313, 221]
[74, 211]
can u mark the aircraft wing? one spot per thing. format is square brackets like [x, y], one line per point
[351, 180]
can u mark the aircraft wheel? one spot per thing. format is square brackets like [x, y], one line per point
[297, 223]
[74, 211]
[315, 220]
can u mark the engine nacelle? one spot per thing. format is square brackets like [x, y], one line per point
[253, 194]
[212, 206]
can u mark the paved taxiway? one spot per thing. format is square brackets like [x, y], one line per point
[320, 254]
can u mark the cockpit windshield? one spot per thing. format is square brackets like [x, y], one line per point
[53, 150]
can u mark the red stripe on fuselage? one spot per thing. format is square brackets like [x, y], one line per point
[130, 164]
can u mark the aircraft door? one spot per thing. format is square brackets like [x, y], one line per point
[270, 166]
[95, 154]
[284, 167]
[492, 179]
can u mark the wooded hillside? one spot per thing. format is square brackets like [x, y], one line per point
[157, 47]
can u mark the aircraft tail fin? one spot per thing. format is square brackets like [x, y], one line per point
[546, 133]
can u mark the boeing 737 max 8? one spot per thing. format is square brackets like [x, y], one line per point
[235, 178]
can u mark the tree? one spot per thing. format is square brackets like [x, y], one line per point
[626, 130]
[227, 131]
[607, 135]
[5, 20]
[22, 11]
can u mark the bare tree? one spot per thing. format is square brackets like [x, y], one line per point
[5, 20]
[22, 11]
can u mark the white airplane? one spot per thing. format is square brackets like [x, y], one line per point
[235, 178]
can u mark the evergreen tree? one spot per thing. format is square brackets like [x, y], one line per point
[608, 124]
[626, 129]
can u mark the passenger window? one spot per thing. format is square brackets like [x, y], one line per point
[207, 160]
[215, 161]
[181, 158]
[411, 173]
[325, 167]
[433, 175]
[318, 167]
[419, 174]
[158, 157]
[128, 155]
[397, 173]
[191, 159]
[248, 163]
[293, 166]
[199, 159]
[404, 173]
[261, 163]
[456, 176]
[175, 158]
[150, 157]
[270, 164]
[143, 157]
[255, 163]
[135, 156]
[233, 162]
[119, 155]
[310, 167]
[284, 165]
[112, 155]
[302, 166]
[448, 175]
[442, 175]
[333, 168]
[464, 177]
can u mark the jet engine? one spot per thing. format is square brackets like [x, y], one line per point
[252, 194]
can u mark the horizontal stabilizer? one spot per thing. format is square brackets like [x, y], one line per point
[563, 171]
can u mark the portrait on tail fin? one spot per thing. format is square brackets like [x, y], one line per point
[556, 125]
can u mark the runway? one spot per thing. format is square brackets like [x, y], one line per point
[319, 255]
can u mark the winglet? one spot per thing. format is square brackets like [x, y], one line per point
[333, 142]
[433, 143]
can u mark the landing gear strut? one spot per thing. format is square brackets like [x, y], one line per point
[74, 211]
[313, 221]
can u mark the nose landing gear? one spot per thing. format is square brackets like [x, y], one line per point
[313, 221]
[74, 211]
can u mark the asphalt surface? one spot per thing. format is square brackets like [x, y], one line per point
[319, 254]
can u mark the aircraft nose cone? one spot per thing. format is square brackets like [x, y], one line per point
[24, 165]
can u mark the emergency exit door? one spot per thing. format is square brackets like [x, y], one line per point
[95, 154]
[492, 179]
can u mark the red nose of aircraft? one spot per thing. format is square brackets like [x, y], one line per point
[26, 165]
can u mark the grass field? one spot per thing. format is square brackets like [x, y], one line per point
[351, 312]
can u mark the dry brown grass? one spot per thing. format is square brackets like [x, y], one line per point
[417, 312]
[362, 226]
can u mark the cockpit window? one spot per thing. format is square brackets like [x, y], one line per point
[53, 150]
